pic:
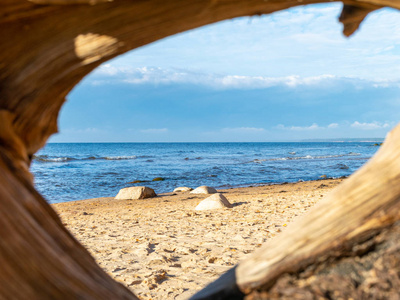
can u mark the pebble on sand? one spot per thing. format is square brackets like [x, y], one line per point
[214, 202]
[136, 192]
[204, 190]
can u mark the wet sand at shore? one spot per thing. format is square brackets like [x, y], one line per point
[161, 248]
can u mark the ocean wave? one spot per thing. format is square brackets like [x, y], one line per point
[304, 157]
[353, 154]
[258, 160]
[119, 157]
[46, 158]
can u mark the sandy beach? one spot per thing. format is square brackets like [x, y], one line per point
[161, 248]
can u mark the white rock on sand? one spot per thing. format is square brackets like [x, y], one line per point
[136, 192]
[214, 202]
[182, 189]
[204, 190]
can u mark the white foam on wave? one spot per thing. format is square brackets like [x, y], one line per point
[306, 157]
[45, 158]
[120, 157]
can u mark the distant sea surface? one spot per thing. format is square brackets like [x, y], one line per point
[75, 171]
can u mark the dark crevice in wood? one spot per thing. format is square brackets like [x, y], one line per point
[373, 275]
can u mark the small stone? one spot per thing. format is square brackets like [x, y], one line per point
[158, 179]
[204, 190]
[214, 202]
[211, 260]
[136, 181]
[137, 192]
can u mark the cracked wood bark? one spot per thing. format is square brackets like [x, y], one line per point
[46, 48]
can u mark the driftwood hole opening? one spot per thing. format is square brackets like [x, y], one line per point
[47, 47]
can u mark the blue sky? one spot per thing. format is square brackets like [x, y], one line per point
[282, 77]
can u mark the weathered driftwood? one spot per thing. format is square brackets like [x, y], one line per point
[355, 212]
[46, 48]
[370, 271]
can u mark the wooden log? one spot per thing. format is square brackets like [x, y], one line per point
[39, 258]
[368, 271]
[46, 48]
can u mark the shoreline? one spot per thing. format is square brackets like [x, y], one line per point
[218, 188]
[162, 248]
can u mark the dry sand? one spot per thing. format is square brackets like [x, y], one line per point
[161, 248]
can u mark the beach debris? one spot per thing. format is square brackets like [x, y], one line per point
[137, 181]
[136, 192]
[204, 190]
[182, 189]
[158, 179]
[212, 260]
[214, 202]
[323, 176]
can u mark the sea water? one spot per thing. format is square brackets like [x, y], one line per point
[74, 171]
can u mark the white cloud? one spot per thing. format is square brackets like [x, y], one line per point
[243, 130]
[108, 74]
[314, 126]
[154, 130]
[370, 126]
[304, 41]
[356, 125]
[82, 130]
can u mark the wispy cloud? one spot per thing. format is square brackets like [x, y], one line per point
[333, 125]
[243, 130]
[154, 130]
[314, 126]
[370, 126]
[355, 125]
[108, 74]
[88, 130]
[265, 46]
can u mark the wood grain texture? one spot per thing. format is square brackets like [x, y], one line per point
[356, 210]
[46, 48]
[360, 208]
[369, 271]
